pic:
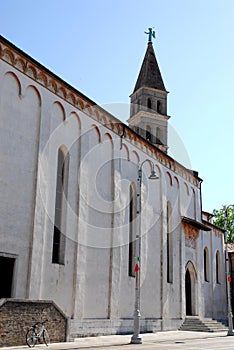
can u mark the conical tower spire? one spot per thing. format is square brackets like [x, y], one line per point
[150, 75]
[148, 115]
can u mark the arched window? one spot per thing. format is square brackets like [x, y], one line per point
[148, 133]
[158, 106]
[149, 104]
[58, 252]
[169, 245]
[131, 246]
[159, 134]
[186, 188]
[138, 105]
[217, 267]
[206, 265]
[194, 204]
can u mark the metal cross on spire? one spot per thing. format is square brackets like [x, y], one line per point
[151, 34]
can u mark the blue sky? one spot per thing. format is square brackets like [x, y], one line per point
[98, 47]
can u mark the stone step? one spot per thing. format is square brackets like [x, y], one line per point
[202, 325]
[208, 324]
[204, 328]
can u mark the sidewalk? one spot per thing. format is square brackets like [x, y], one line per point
[110, 340]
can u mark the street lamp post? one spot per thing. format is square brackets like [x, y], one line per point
[136, 338]
[230, 322]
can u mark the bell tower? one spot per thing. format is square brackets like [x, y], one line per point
[148, 113]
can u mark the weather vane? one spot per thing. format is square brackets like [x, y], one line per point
[151, 34]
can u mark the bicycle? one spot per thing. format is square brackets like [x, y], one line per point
[32, 336]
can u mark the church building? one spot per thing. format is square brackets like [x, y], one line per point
[74, 227]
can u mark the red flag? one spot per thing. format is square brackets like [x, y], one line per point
[137, 268]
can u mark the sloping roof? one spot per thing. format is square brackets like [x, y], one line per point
[195, 223]
[150, 75]
[210, 224]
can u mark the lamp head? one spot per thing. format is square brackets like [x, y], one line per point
[153, 175]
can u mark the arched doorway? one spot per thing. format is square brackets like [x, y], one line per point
[190, 290]
[188, 293]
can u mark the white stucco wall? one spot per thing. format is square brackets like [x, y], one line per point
[93, 282]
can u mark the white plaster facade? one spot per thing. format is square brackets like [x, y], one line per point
[39, 113]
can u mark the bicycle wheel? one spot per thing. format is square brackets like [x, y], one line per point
[31, 338]
[46, 337]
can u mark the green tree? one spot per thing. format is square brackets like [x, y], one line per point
[219, 220]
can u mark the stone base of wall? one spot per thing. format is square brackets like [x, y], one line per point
[15, 315]
[97, 327]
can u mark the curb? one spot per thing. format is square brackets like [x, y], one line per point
[114, 340]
